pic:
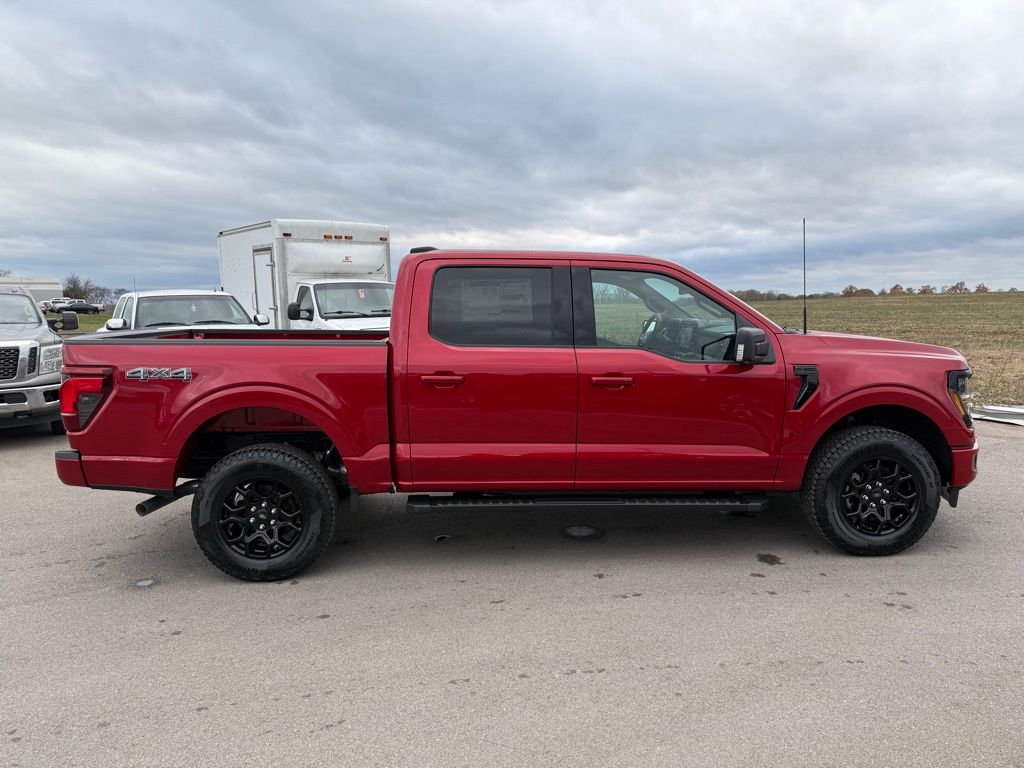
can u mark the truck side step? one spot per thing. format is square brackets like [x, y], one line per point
[420, 503]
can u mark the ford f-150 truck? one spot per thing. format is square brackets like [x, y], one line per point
[520, 378]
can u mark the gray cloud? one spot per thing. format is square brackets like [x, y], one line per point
[131, 135]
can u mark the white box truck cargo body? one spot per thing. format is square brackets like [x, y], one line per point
[39, 288]
[264, 264]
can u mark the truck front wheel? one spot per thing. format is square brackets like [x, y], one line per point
[871, 491]
[265, 512]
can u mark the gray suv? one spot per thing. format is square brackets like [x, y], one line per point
[31, 354]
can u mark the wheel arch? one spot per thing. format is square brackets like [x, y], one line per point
[249, 415]
[914, 415]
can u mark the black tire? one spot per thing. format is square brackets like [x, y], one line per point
[313, 504]
[839, 476]
[57, 427]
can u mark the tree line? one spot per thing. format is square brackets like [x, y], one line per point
[753, 294]
[77, 287]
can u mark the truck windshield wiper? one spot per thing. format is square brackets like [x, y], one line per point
[215, 322]
[384, 311]
[345, 313]
[165, 322]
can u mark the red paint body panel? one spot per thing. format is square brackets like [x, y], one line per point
[515, 419]
[138, 435]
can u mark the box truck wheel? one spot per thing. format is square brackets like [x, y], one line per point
[871, 491]
[265, 512]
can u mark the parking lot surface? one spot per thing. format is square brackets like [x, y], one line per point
[701, 639]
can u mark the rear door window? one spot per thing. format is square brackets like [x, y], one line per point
[500, 307]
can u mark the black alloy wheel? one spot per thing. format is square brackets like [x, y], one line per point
[265, 512]
[879, 497]
[871, 490]
[261, 518]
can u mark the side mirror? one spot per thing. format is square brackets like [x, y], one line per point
[752, 346]
[67, 322]
[294, 313]
[261, 319]
[116, 324]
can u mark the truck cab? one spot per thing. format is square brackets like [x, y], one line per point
[342, 305]
[31, 354]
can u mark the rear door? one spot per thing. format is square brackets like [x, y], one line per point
[491, 376]
[263, 280]
[662, 405]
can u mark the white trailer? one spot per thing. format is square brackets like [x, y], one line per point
[39, 288]
[264, 266]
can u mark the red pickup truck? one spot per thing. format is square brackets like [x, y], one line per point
[520, 378]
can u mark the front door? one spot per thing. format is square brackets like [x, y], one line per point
[491, 379]
[661, 404]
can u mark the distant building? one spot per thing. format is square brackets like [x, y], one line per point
[41, 288]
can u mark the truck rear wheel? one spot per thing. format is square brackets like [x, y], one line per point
[871, 491]
[265, 512]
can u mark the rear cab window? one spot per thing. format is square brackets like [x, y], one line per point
[501, 306]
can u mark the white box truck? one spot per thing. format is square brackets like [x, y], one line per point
[336, 274]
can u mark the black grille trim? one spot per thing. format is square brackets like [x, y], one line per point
[9, 362]
[33, 359]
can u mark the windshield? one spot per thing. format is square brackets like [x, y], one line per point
[190, 310]
[354, 299]
[16, 308]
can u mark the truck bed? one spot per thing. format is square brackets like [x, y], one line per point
[167, 394]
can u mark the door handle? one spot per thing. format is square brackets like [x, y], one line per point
[612, 382]
[443, 380]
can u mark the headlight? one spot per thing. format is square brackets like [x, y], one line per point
[52, 357]
[956, 385]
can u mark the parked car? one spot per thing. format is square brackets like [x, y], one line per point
[155, 309]
[82, 307]
[521, 379]
[31, 354]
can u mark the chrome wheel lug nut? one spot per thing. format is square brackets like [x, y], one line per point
[263, 504]
[252, 509]
[273, 522]
[252, 519]
[262, 526]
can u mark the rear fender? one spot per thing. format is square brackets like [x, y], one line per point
[203, 410]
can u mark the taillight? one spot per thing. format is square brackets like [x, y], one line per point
[79, 398]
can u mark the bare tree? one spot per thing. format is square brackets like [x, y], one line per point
[981, 288]
[5, 272]
[897, 290]
[960, 287]
[76, 287]
[927, 290]
[850, 290]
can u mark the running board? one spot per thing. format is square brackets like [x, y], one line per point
[697, 502]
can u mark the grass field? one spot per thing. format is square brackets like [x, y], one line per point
[89, 323]
[987, 328]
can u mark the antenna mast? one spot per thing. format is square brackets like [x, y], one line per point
[805, 276]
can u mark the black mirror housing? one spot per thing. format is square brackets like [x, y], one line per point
[293, 311]
[752, 346]
[67, 322]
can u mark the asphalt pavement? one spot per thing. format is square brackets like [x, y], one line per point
[495, 639]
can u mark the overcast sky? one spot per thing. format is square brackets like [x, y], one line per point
[131, 133]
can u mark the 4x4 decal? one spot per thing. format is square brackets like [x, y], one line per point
[148, 374]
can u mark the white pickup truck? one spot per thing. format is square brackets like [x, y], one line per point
[164, 309]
